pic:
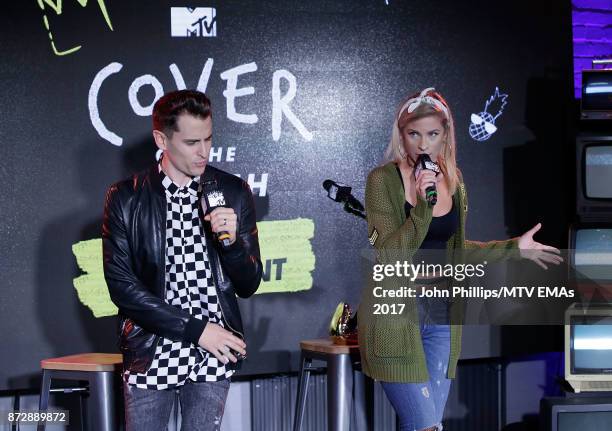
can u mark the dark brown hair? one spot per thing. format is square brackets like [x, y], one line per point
[168, 108]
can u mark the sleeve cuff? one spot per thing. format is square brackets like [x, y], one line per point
[422, 209]
[514, 247]
[194, 330]
[234, 250]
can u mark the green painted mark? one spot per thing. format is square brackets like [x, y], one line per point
[287, 241]
[286, 252]
[56, 5]
[91, 286]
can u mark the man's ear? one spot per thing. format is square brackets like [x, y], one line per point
[160, 139]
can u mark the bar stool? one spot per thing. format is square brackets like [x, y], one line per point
[98, 369]
[341, 361]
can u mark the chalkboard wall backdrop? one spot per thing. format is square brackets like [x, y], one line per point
[301, 92]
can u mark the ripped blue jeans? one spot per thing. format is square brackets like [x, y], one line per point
[201, 406]
[420, 406]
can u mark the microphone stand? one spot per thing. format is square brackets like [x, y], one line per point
[352, 321]
[349, 209]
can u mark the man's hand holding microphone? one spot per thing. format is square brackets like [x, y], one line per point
[224, 224]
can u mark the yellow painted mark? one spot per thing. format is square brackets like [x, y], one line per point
[279, 239]
[91, 286]
[288, 239]
[57, 8]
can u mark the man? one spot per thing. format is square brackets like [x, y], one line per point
[172, 279]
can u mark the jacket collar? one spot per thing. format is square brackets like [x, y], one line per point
[155, 180]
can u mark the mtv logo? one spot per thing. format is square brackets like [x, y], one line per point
[216, 199]
[198, 22]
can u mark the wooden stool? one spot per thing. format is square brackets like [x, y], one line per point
[341, 361]
[96, 368]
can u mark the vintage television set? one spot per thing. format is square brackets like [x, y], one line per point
[594, 176]
[594, 147]
[596, 99]
[590, 256]
[588, 324]
[575, 413]
[588, 347]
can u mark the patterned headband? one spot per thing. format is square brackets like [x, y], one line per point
[413, 103]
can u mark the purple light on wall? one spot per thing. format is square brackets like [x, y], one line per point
[592, 34]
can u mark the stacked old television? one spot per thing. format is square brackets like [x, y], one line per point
[590, 239]
[588, 323]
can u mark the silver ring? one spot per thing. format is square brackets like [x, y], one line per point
[226, 349]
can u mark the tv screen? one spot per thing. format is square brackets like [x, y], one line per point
[579, 413]
[593, 254]
[597, 90]
[591, 344]
[584, 421]
[598, 171]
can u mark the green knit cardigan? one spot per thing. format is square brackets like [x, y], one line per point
[390, 345]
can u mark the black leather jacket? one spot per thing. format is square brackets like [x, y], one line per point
[134, 238]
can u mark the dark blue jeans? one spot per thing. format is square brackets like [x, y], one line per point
[421, 405]
[201, 406]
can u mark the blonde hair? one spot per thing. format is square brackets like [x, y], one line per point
[395, 150]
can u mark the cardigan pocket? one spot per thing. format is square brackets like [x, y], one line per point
[391, 338]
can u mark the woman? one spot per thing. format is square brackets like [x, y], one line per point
[405, 348]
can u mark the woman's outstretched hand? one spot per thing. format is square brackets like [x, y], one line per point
[537, 252]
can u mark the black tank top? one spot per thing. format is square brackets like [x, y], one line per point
[440, 229]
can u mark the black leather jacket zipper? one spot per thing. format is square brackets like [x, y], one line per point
[220, 271]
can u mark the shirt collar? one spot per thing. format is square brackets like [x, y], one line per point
[172, 189]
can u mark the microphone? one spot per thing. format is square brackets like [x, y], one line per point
[425, 162]
[339, 192]
[214, 198]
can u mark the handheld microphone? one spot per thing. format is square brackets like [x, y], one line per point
[339, 192]
[425, 162]
[214, 198]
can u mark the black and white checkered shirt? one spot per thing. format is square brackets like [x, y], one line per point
[190, 286]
